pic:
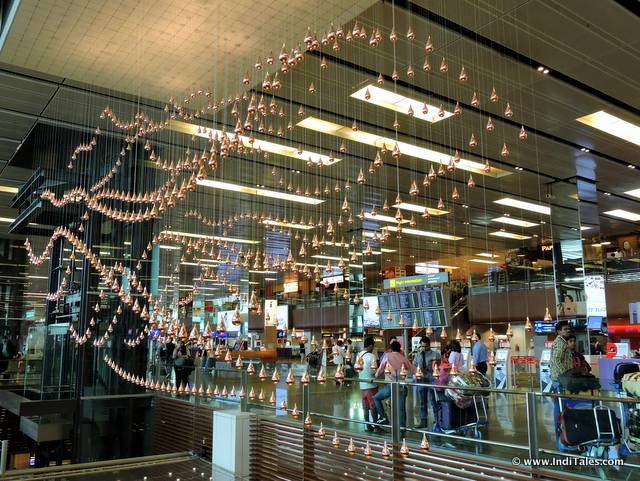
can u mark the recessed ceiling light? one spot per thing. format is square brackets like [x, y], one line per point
[612, 125]
[524, 205]
[585, 227]
[482, 261]
[330, 128]
[424, 233]
[8, 189]
[6, 219]
[545, 71]
[631, 166]
[382, 218]
[487, 254]
[210, 237]
[435, 265]
[419, 208]
[216, 184]
[287, 224]
[624, 214]
[633, 193]
[607, 193]
[399, 103]
[512, 221]
[264, 145]
[509, 235]
[540, 68]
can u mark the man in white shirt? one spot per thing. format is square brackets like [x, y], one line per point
[367, 388]
[338, 352]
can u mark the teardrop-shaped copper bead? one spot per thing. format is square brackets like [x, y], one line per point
[523, 133]
[444, 68]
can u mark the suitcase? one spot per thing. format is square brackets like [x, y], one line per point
[631, 384]
[450, 417]
[579, 427]
[624, 368]
[464, 397]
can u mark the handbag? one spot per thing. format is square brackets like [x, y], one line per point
[576, 380]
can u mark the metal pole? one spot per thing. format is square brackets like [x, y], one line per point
[396, 435]
[3, 456]
[532, 425]
[244, 380]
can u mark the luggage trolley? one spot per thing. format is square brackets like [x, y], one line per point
[452, 419]
[588, 428]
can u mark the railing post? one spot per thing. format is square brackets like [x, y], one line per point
[396, 430]
[3, 456]
[244, 381]
[308, 440]
[532, 424]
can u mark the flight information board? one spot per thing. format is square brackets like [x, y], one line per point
[423, 306]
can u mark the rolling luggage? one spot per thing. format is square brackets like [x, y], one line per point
[597, 426]
[450, 417]
[631, 384]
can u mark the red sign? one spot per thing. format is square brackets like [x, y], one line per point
[612, 350]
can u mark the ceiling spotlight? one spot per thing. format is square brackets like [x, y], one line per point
[607, 193]
[540, 68]
[631, 166]
[545, 71]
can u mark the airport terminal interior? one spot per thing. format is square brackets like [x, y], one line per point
[319, 240]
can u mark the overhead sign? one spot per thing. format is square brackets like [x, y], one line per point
[412, 281]
[290, 287]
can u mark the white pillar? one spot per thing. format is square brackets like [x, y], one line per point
[230, 457]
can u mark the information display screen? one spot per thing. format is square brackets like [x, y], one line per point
[388, 301]
[408, 300]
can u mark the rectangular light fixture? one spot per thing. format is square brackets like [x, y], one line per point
[482, 261]
[8, 189]
[524, 205]
[264, 145]
[509, 235]
[330, 128]
[435, 265]
[633, 193]
[419, 208]
[624, 214]
[383, 218]
[287, 224]
[169, 248]
[399, 103]
[424, 233]
[9, 220]
[263, 272]
[487, 254]
[585, 227]
[217, 184]
[512, 221]
[211, 237]
[612, 125]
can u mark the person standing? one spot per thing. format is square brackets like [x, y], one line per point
[367, 389]
[303, 351]
[480, 354]
[455, 355]
[395, 360]
[561, 359]
[425, 359]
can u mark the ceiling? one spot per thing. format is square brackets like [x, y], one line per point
[63, 61]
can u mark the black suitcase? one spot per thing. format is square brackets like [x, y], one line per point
[599, 425]
[624, 368]
[451, 417]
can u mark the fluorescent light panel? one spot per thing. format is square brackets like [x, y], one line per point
[8, 189]
[330, 128]
[524, 205]
[383, 218]
[624, 214]
[512, 221]
[287, 224]
[6, 219]
[263, 145]
[211, 237]
[612, 125]
[482, 261]
[217, 184]
[425, 233]
[509, 235]
[419, 208]
[487, 254]
[399, 103]
[431, 265]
